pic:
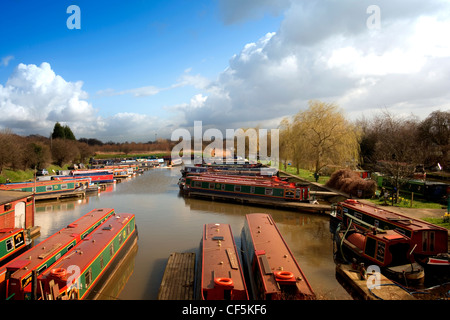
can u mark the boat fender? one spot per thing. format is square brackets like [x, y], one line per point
[351, 201]
[284, 275]
[224, 282]
[58, 272]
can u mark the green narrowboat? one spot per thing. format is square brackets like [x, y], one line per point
[47, 187]
[81, 274]
[273, 189]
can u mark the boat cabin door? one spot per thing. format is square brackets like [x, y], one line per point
[19, 215]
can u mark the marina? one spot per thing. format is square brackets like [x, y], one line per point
[175, 223]
[178, 268]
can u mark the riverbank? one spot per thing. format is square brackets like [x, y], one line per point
[25, 175]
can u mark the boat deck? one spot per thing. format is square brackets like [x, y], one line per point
[220, 260]
[382, 214]
[274, 255]
[178, 279]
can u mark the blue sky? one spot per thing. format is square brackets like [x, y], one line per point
[135, 68]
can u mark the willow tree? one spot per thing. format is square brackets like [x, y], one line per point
[287, 144]
[322, 136]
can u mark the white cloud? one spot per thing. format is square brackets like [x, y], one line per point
[34, 98]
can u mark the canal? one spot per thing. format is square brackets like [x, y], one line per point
[168, 222]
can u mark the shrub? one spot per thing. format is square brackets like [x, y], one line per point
[350, 182]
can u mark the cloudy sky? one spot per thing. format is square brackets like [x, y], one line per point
[137, 69]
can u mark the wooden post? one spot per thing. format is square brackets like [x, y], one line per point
[412, 198]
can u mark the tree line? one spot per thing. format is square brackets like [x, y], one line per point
[321, 139]
[61, 148]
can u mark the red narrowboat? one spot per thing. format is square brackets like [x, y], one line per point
[273, 271]
[86, 268]
[219, 271]
[387, 238]
[264, 188]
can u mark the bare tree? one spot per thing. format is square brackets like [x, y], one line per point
[434, 134]
[64, 151]
[396, 149]
[37, 155]
[11, 150]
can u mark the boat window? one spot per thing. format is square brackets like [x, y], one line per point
[42, 268]
[9, 245]
[381, 249]
[64, 186]
[425, 241]
[222, 186]
[198, 184]
[120, 238]
[237, 188]
[88, 277]
[211, 185]
[252, 189]
[432, 241]
[269, 192]
[111, 249]
[49, 188]
[101, 262]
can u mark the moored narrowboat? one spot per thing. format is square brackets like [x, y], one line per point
[272, 269]
[84, 270]
[384, 248]
[47, 187]
[96, 175]
[273, 189]
[388, 238]
[231, 170]
[220, 275]
[20, 273]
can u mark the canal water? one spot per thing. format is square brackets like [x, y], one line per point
[168, 222]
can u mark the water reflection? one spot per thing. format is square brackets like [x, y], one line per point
[168, 222]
